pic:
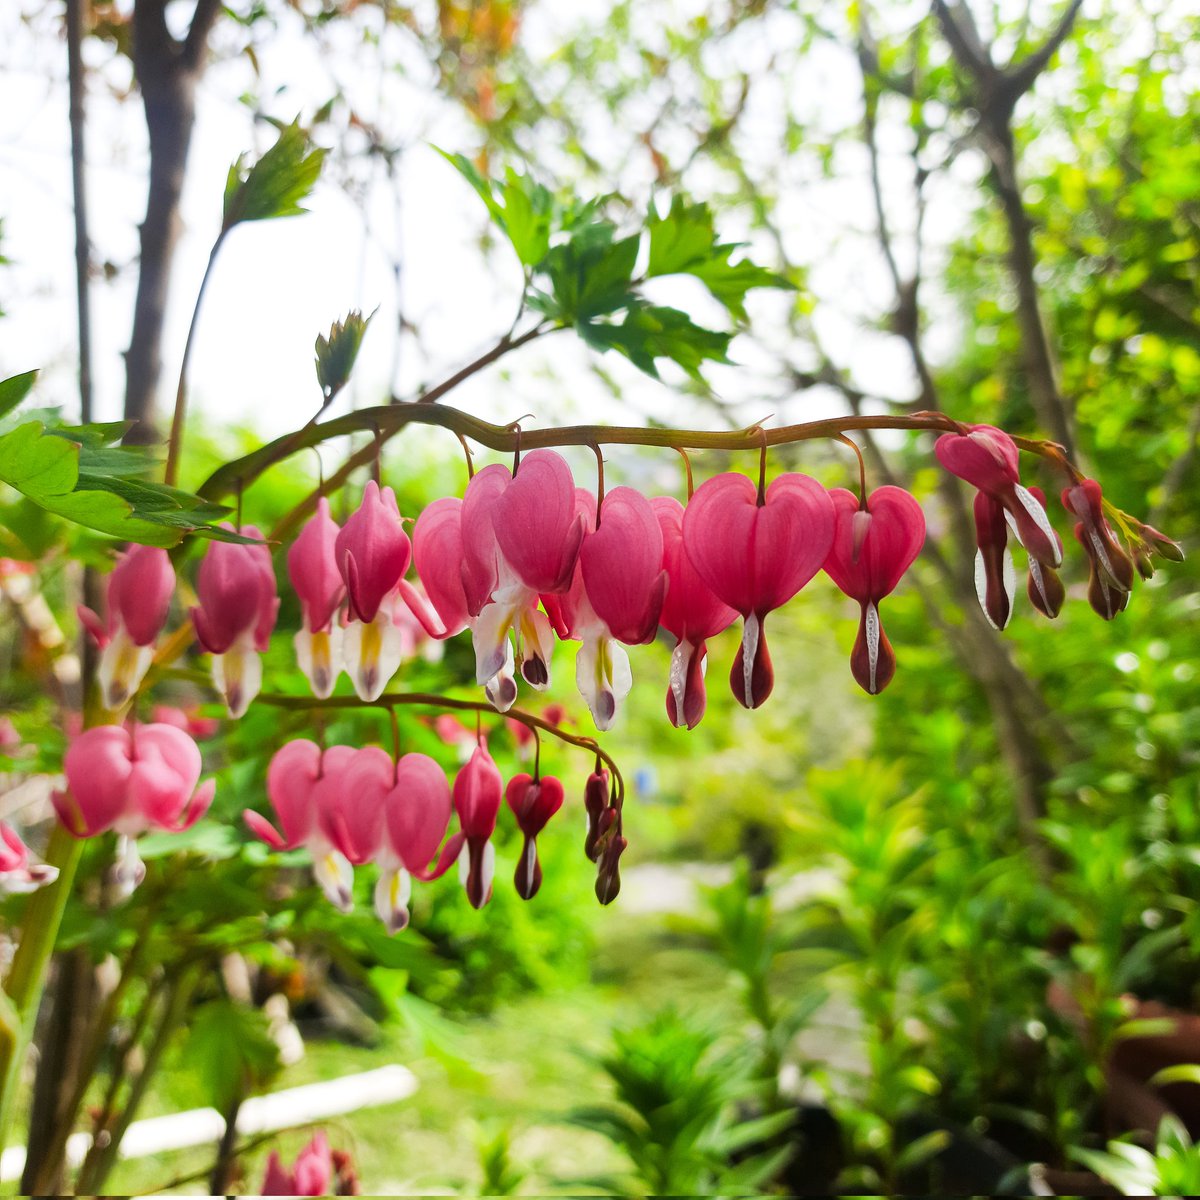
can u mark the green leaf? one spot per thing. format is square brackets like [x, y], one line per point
[684, 242]
[336, 354]
[276, 184]
[44, 465]
[14, 389]
[651, 332]
[1179, 1073]
[521, 207]
[230, 1049]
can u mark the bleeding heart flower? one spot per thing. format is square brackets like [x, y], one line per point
[692, 612]
[988, 459]
[755, 553]
[233, 622]
[469, 583]
[873, 545]
[313, 571]
[294, 785]
[622, 564]
[538, 529]
[372, 552]
[136, 603]
[1111, 571]
[533, 802]
[350, 804]
[18, 872]
[131, 780]
[602, 671]
[478, 791]
[311, 1176]
[416, 816]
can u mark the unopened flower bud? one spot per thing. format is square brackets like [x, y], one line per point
[608, 881]
[533, 802]
[595, 802]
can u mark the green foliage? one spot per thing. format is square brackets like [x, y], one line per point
[685, 242]
[500, 1175]
[581, 273]
[337, 353]
[14, 389]
[275, 185]
[229, 1048]
[679, 1114]
[76, 472]
[1171, 1169]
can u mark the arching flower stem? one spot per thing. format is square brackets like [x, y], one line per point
[391, 419]
[392, 700]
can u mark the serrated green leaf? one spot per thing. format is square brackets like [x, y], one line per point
[275, 185]
[653, 332]
[684, 242]
[14, 389]
[230, 1049]
[521, 207]
[592, 275]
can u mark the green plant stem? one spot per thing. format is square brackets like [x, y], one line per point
[39, 931]
[179, 994]
[179, 416]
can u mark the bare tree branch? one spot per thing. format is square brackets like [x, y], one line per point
[1021, 76]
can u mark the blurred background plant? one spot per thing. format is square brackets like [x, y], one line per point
[960, 929]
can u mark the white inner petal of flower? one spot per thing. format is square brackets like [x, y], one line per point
[1033, 507]
[749, 652]
[871, 621]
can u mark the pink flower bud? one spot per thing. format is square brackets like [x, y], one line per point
[1111, 570]
[372, 551]
[313, 570]
[596, 794]
[533, 802]
[138, 597]
[994, 575]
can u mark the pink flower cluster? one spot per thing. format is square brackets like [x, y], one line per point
[130, 780]
[524, 557]
[349, 806]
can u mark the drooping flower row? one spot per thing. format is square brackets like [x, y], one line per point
[524, 557]
[346, 806]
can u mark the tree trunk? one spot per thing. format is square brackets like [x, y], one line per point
[168, 87]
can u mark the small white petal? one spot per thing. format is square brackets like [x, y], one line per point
[372, 652]
[749, 651]
[319, 656]
[123, 666]
[336, 877]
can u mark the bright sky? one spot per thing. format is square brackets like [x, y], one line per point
[279, 283]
